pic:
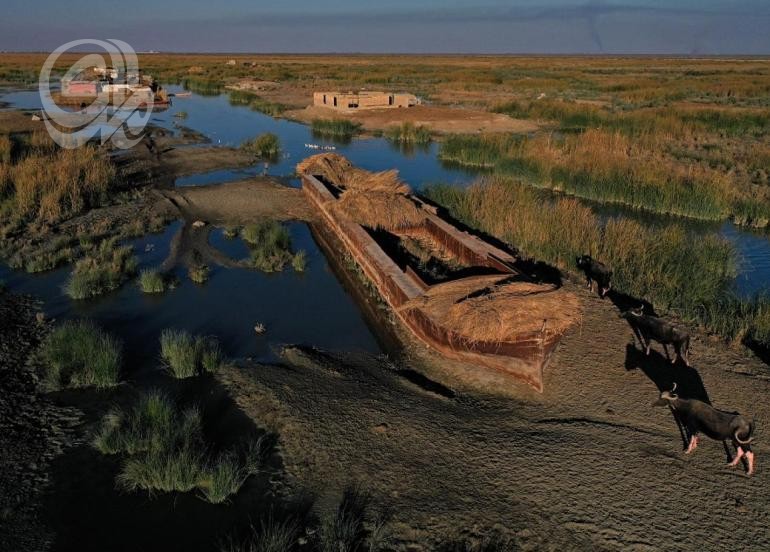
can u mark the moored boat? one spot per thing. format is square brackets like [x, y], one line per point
[455, 292]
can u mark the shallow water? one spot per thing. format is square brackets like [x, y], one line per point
[310, 307]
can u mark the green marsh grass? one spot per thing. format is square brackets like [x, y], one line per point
[222, 478]
[165, 450]
[199, 273]
[102, 270]
[152, 424]
[79, 354]
[187, 356]
[165, 471]
[608, 167]
[256, 103]
[481, 151]
[264, 146]
[299, 261]
[408, 133]
[152, 280]
[270, 244]
[336, 128]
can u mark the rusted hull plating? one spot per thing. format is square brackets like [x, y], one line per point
[523, 357]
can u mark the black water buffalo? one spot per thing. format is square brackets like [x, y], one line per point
[648, 328]
[595, 272]
[699, 417]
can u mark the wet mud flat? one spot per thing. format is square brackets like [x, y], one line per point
[587, 465]
[33, 430]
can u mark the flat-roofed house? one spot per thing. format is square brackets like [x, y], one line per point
[364, 99]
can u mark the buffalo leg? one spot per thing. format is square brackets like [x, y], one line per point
[750, 458]
[683, 433]
[738, 456]
[665, 349]
[693, 444]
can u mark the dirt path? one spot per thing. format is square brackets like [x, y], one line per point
[590, 464]
[442, 120]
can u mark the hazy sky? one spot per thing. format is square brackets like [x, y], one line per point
[493, 26]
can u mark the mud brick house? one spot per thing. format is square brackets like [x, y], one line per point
[364, 100]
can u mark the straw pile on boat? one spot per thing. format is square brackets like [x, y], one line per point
[373, 199]
[497, 309]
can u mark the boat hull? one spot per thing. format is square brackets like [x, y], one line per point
[523, 357]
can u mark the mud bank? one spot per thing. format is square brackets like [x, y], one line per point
[590, 464]
[33, 431]
[441, 120]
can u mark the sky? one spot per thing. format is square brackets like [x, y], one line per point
[693, 27]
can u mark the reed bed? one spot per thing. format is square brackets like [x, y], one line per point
[682, 273]
[335, 128]
[256, 103]
[409, 133]
[609, 167]
[79, 354]
[54, 186]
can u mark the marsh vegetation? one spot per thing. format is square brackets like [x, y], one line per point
[164, 450]
[265, 146]
[185, 355]
[680, 272]
[79, 354]
[409, 133]
[270, 245]
[335, 128]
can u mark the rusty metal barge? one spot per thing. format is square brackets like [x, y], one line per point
[455, 292]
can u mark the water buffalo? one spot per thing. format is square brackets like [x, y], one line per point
[595, 272]
[648, 328]
[699, 417]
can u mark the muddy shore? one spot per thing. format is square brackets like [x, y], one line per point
[33, 430]
[587, 465]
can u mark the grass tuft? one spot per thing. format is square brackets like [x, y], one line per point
[408, 133]
[270, 244]
[152, 280]
[102, 270]
[264, 146]
[299, 261]
[187, 356]
[199, 273]
[336, 128]
[79, 354]
[223, 478]
[165, 451]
